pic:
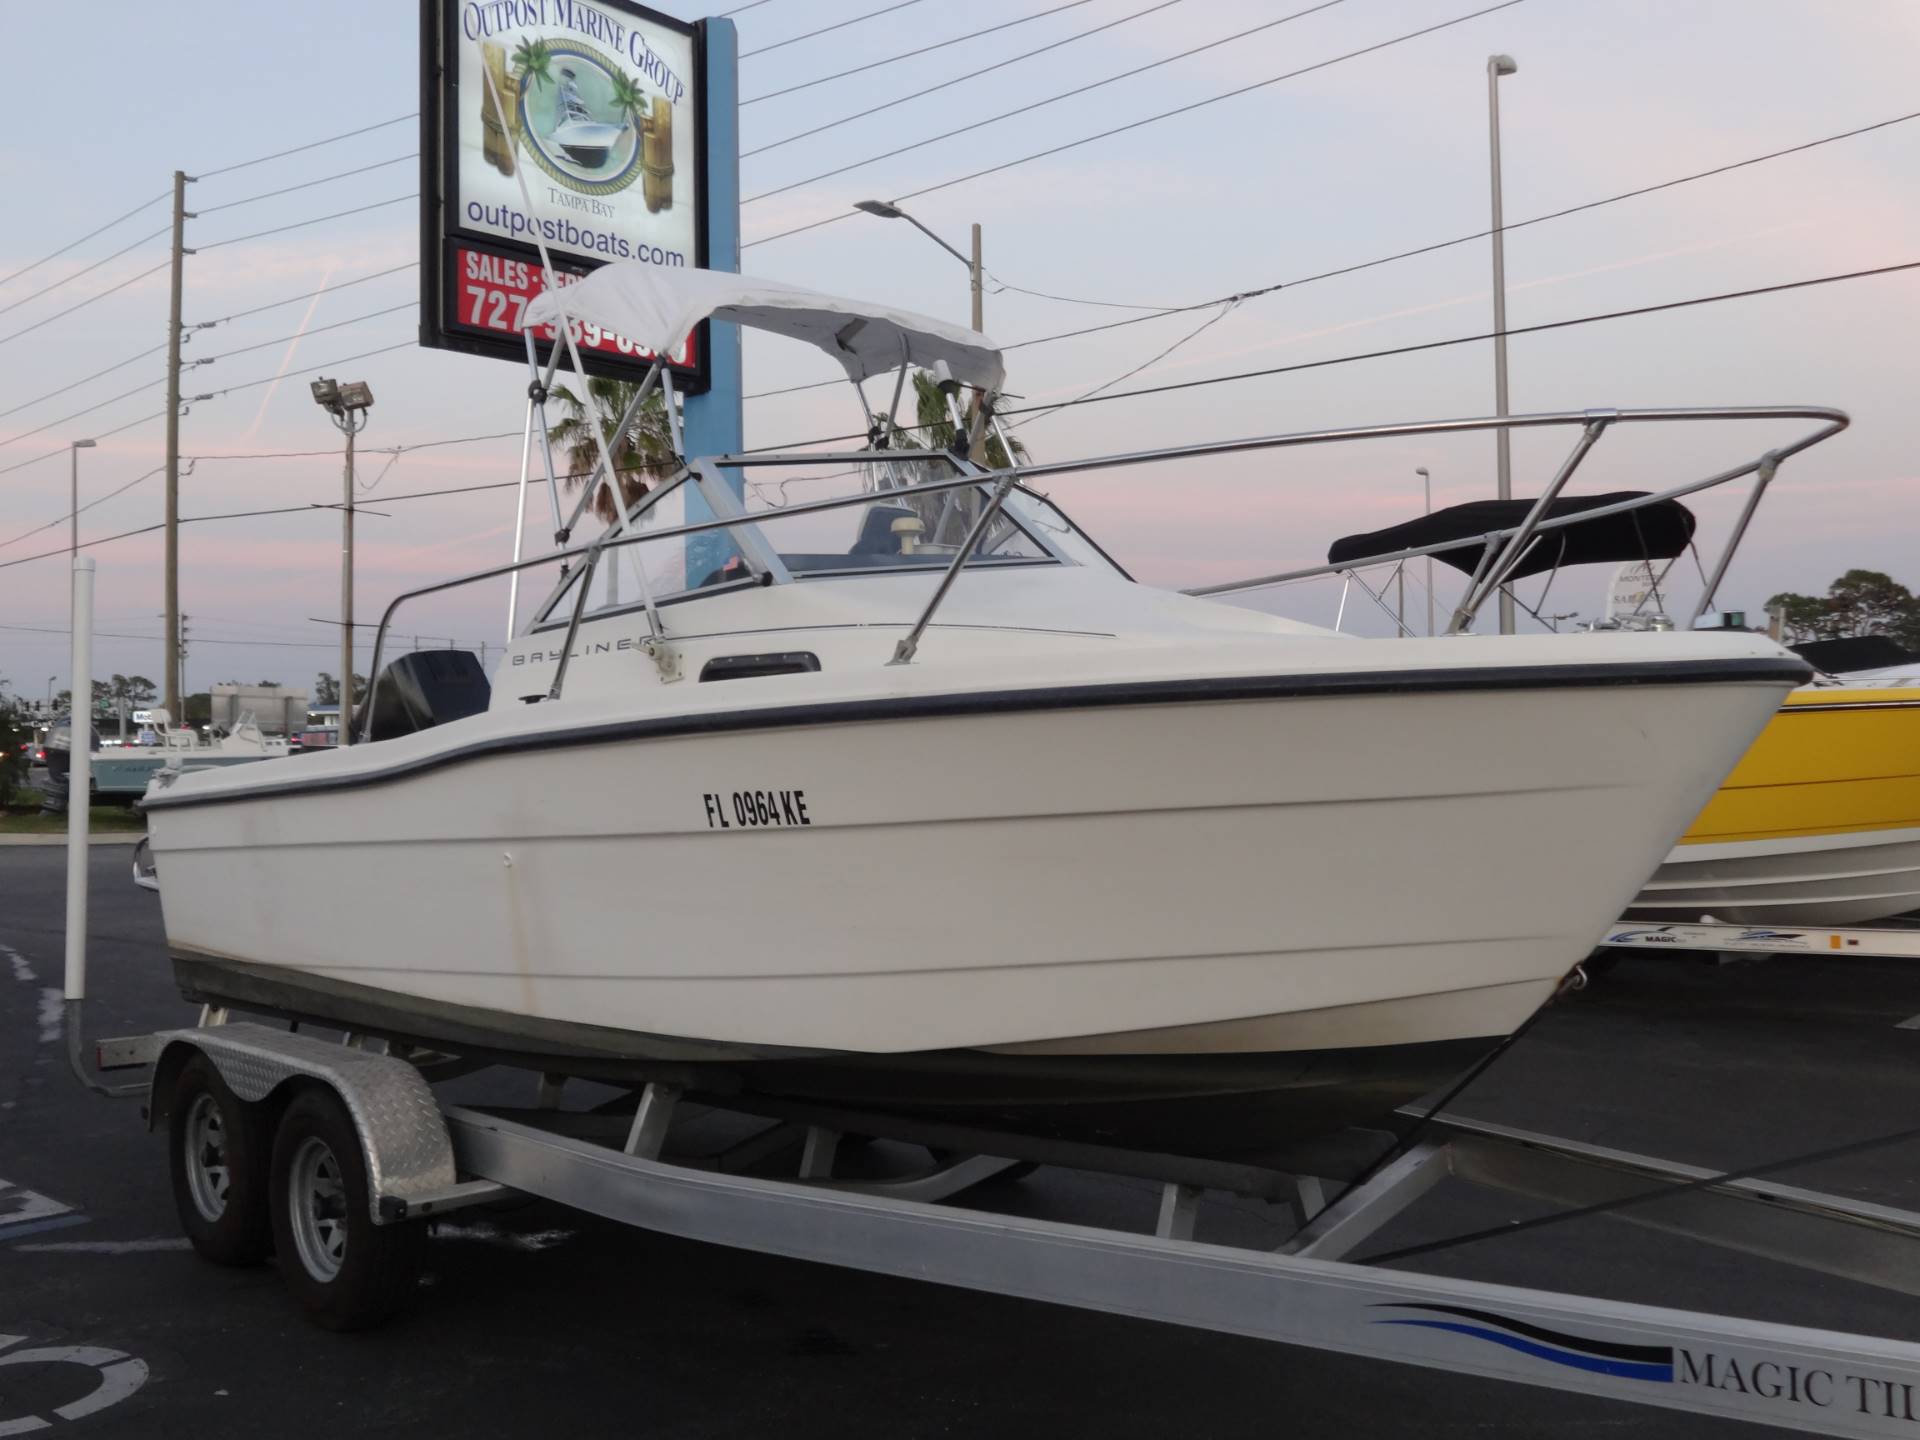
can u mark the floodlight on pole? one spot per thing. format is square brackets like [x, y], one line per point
[348, 405]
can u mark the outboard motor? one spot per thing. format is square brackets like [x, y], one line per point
[423, 689]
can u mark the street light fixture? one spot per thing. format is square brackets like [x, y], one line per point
[1426, 486]
[887, 211]
[1498, 65]
[347, 405]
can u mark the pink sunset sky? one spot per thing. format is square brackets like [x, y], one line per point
[1359, 159]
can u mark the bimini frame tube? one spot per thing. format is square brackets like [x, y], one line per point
[520, 521]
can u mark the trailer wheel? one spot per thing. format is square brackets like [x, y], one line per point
[347, 1272]
[218, 1151]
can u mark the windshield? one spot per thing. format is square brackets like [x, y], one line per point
[898, 530]
[895, 527]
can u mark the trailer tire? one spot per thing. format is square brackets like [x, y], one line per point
[218, 1149]
[347, 1272]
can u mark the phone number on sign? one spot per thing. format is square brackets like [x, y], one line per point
[493, 295]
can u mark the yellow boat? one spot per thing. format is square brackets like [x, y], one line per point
[1818, 825]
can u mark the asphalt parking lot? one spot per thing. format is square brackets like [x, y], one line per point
[539, 1320]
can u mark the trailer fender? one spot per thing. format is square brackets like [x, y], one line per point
[409, 1155]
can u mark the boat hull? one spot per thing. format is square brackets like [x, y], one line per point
[1162, 890]
[1819, 824]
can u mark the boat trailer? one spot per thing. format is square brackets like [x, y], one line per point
[792, 1180]
[1896, 939]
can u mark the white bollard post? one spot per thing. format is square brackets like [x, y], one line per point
[79, 781]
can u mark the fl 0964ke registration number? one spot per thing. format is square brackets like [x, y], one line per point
[756, 809]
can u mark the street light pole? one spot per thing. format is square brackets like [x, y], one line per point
[1498, 65]
[347, 404]
[976, 273]
[73, 486]
[979, 291]
[1426, 489]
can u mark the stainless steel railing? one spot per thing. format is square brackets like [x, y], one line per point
[1503, 549]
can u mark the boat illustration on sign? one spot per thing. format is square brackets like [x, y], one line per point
[591, 126]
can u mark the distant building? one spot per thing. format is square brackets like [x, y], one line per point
[276, 709]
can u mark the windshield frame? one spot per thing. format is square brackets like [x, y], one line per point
[764, 563]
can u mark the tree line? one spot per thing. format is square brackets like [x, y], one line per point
[1860, 602]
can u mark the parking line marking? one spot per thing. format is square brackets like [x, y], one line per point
[109, 1247]
[28, 1212]
[22, 971]
[10, 1233]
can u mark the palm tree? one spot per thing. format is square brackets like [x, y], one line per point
[628, 98]
[532, 60]
[934, 430]
[644, 453]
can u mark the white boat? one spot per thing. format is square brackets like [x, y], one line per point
[586, 141]
[976, 828]
[124, 772]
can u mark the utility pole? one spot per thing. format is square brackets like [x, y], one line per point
[178, 676]
[1498, 65]
[173, 631]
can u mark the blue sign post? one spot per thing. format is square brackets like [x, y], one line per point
[713, 422]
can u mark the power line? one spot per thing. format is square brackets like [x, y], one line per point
[1408, 349]
[55, 255]
[741, 9]
[85, 379]
[1054, 99]
[1003, 286]
[961, 79]
[1418, 250]
[62, 314]
[1492, 334]
[309, 184]
[244, 349]
[302, 334]
[311, 145]
[921, 50]
[1205, 325]
[97, 405]
[827, 29]
[1151, 119]
[305, 295]
[88, 270]
[62, 519]
[306, 370]
[337, 214]
[1093, 399]
[98, 435]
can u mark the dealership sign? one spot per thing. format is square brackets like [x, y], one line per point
[573, 124]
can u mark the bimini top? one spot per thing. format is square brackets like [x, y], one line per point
[657, 307]
[1658, 531]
